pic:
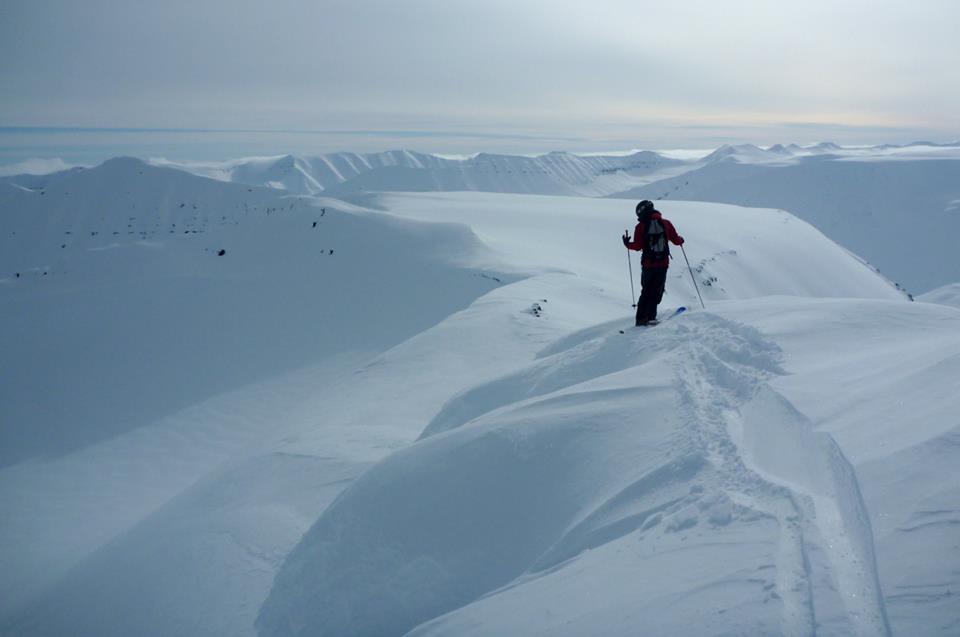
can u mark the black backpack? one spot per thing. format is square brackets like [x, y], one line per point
[655, 246]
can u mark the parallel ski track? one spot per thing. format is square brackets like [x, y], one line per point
[720, 367]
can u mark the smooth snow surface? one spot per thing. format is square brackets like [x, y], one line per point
[383, 425]
[946, 295]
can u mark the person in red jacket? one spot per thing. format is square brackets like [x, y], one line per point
[652, 235]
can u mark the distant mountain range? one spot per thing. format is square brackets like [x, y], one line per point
[556, 173]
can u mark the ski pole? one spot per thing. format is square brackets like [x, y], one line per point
[693, 278]
[633, 294]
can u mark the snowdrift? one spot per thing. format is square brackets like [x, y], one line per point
[515, 495]
[677, 480]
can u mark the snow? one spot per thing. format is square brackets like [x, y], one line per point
[551, 232]
[946, 295]
[132, 332]
[747, 153]
[439, 428]
[669, 469]
[616, 458]
[877, 209]
[857, 195]
[35, 166]
[346, 173]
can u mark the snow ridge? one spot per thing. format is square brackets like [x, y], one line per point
[681, 479]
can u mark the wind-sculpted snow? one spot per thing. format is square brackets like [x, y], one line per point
[893, 418]
[558, 484]
[575, 359]
[782, 445]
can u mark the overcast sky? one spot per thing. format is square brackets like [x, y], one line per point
[464, 75]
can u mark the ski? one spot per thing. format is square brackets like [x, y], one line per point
[679, 310]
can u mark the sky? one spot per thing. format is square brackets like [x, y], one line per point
[460, 76]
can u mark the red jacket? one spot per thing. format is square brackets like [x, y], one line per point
[639, 241]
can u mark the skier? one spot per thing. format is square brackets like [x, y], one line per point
[651, 235]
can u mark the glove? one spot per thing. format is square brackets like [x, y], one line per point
[626, 239]
[681, 240]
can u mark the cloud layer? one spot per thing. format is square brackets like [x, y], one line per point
[646, 73]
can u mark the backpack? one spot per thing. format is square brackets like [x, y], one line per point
[655, 246]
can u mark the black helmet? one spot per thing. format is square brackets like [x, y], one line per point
[644, 208]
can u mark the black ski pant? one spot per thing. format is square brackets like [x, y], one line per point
[653, 281]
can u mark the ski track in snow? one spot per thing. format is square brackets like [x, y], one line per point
[722, 367]
[825, 578]
[714, 381]
[725, 368]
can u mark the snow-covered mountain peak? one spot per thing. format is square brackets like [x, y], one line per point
[825, 147]
[738, 152]
[123, 162]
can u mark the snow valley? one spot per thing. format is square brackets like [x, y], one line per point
[389, 394]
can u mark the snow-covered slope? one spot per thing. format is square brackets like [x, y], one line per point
[708, 467]
[307, 175]
[947, 295]
[130, 253]
[748, 153]
[856, 195]
[568, 479]
[125, 318]
[678, 481]
[337, 174]
[571, 454]
[776, 256]
[792, 153]
[899, 214]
